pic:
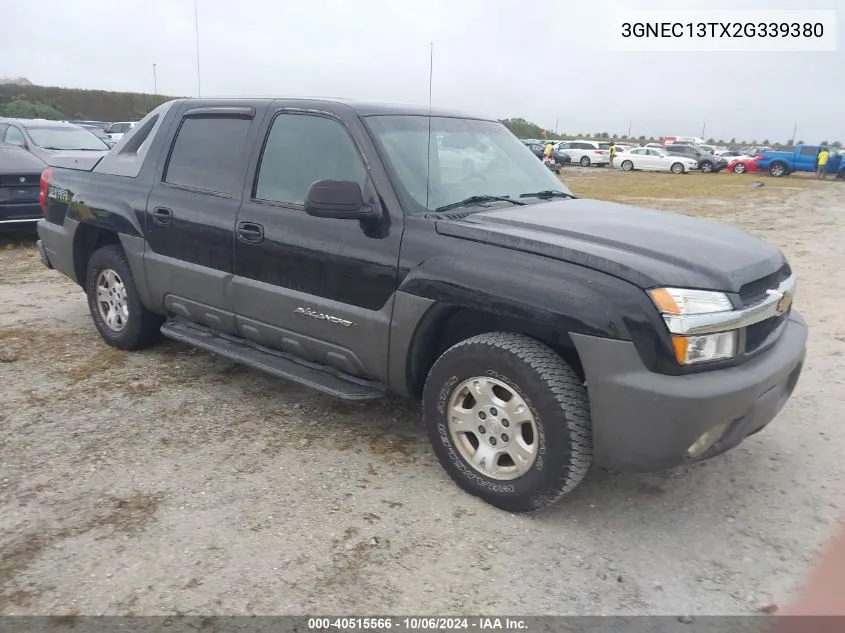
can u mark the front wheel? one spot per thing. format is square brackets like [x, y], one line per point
[739, 168]
[585, 161]
[677, 168]
[627, 165]
[706, 166]
[114, 302]
[509, 420]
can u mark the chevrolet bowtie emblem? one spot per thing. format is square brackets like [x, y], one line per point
[784, 301]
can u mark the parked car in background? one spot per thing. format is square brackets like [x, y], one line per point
[743, 164]
[20, 179]
[99, 132]
[102, 125]
[707, 162]
[118, 129]
[585, 153]
[729, 154]
[802, 158]
[654, 159]
[47, 139]
[561, 158]
[537, 149]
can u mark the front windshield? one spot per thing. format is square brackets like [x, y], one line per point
[468, 157]
[65, 138]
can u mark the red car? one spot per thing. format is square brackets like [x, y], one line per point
[742, 164]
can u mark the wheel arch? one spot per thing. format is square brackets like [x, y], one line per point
[445, 324]
[90, 237]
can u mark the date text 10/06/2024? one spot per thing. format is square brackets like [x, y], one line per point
[479, 623]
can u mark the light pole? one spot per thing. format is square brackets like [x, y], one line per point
[155, 81]
[197, 30]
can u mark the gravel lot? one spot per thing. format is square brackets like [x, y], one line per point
[170, 481]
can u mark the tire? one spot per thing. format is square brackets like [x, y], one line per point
[134, 327]
[677, 168]
[777, 169]
[739, 168]
[542, 387]
[627, 165]
[705, 166]
[585, 161]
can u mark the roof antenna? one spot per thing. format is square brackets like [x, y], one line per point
[428, 145]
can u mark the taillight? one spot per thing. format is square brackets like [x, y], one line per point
[45, 182]
[599, 152]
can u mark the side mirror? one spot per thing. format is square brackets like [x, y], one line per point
[338, 199]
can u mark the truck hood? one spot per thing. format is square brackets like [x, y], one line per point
[645, 247]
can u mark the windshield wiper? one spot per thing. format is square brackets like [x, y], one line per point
[548, 193]
[477, 199]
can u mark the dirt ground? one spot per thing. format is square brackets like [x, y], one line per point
[169, 481]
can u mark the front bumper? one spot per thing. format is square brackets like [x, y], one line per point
[644, 421]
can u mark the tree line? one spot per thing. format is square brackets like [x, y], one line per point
[45, 102]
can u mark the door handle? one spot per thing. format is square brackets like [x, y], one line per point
[162, 216]
[250, 232]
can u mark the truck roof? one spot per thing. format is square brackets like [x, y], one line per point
[362, 108]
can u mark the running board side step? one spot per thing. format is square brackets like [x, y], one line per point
[240, 350]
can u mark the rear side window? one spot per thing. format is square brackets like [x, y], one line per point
[302, 149]
[14, 136]
[207, 152]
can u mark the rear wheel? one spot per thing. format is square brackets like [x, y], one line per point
[114, 302]
[677, 168]
[706, 166]
[627, 165]
[509, 420]
[585, 161]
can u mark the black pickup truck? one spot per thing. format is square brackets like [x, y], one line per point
[324, 242]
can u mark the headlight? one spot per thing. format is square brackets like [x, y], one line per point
[677, 303]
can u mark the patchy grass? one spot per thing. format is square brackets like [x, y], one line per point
[629, 187]
[104, 360]
[123, 515]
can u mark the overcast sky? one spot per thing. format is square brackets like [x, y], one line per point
[542, 60]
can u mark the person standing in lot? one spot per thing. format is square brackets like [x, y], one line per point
[612, 151]
[548, 150]
[822, 163]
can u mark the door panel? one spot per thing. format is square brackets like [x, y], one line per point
[190, 219]
[314, 278]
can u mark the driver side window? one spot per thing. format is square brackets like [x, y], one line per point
[302, 149]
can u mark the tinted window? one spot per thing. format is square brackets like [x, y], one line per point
[119, 128]
[302, 149]
[14, 136]
[564, 145]
[206, 153]
[638, 151]
[808, 151]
